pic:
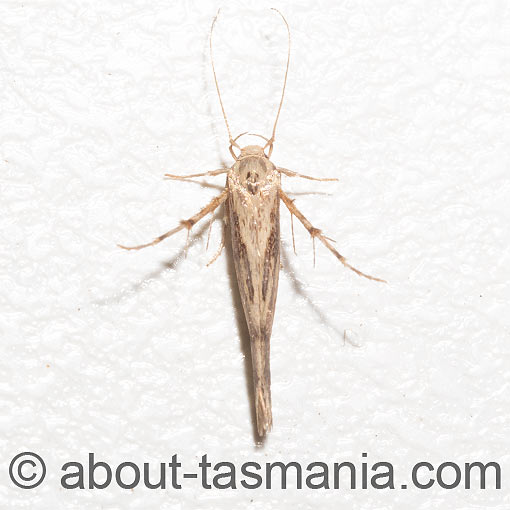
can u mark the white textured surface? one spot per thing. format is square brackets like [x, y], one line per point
[136, 356]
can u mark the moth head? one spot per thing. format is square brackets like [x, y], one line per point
[252, 150]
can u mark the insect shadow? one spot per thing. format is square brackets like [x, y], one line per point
[300, 290]
[172, 263]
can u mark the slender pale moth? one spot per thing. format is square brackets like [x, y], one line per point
[252, 197]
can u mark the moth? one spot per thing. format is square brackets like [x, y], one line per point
[252, 196]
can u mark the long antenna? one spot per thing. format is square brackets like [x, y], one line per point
[216, 79]
[231, 140]
[271, 140]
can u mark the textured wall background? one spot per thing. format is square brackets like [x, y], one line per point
[136, 356]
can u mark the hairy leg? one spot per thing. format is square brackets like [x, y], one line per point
[222, 245]
[316, 233]
[290, 173]
[191, 176]
[188, 224]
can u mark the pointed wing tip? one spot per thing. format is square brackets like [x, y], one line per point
[263, 429]
[264, 422]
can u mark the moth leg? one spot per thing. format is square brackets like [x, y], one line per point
[209, 232]
[220, 249]
[316, 233]
[291, 173]
[184, 177]
[223, 236]
[292, 230]
[188, 224]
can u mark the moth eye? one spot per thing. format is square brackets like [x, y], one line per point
[248, 175]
